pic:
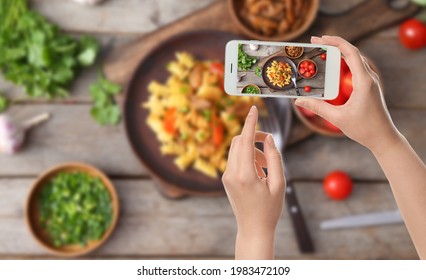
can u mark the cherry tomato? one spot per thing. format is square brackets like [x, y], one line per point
[343, 67]
[307, 88]
[323, 56]
[338, 185]
[312, 72]
[305, 64]
[331, 126]
[306, 112]
[308, 74]
[302, 71]
[346, 85]
[412, 34]
[311, 67]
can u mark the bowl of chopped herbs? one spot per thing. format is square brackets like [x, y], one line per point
[251, 89]
[72, 209]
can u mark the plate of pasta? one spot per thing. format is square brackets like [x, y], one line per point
[179, 120]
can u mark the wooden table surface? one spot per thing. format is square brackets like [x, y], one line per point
[152, 226]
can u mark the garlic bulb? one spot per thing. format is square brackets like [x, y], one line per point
[254, 47]
[88, 2]
[12, 134]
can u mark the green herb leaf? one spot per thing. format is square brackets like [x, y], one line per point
[104, 110]
[4, 103]
[258, 71]
[420, 2]
[89, 48]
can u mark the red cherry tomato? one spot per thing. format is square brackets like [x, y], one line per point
[412, 34]
[331, 126]
[338, 185]
[308, 74]
[305, 64]
[343, 67]
[312, 72]
[323, 56]
[346, 85]
[311, 67]
[302, 71]
[307, 88]
[306, 112]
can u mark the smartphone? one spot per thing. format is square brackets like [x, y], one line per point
[277, 69]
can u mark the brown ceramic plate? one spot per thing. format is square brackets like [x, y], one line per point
[269, 63]
[172, 182]
[32, 213]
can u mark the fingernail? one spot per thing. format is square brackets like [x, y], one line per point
[250, 113]
[315, 37]
[300, 102]
[252, 109]
[270, 140]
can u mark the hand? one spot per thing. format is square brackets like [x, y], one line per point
[364, 117]
[256, 199]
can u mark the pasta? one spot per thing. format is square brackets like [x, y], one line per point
[192, 117]
[279, 73]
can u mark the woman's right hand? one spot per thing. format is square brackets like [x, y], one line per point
[364, 117]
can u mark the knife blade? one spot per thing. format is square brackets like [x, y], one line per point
[363, 220]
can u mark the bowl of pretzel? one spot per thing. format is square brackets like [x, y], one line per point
[273, 20]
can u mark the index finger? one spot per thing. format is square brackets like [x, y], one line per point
[247, 138]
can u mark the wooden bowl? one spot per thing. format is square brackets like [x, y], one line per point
[310, 60]
[32, 210]
[235, 6]
[316, 123]
[294, 57]
[252, 85]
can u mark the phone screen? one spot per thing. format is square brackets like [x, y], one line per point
[281, 69]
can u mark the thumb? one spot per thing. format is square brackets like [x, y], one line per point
[319, 107]
[274, 164]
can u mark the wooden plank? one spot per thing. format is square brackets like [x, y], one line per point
[152, 226]
[71, 134]
[402, 71]
[116, 16]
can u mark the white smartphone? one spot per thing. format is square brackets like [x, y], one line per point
[277, 69]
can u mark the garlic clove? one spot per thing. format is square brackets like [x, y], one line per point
[254, 47]
[11, 136]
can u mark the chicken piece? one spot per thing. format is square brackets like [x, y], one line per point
[196, 76]
[261, 23]
[200, 103]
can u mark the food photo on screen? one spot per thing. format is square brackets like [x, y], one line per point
[285, 70]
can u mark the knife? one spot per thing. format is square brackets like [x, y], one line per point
[364, 220]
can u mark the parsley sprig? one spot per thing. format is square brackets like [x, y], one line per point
[36, 55]
[105, 111]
